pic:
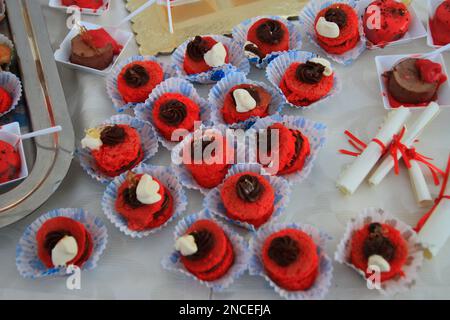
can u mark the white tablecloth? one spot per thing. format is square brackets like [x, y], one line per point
[130, 269]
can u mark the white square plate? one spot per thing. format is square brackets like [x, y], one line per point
[11, 134]
[57, 4]
[431, 8]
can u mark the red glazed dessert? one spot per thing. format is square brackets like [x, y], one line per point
[248, 197]
[379, 245]
[440, 24]
[62, 241]
[245, 101]
[337, 29]
[5, 100]
[206, 251]
[137, 80]
[144, 202]
[203, 54]
[174, 111]
[86, 4]
[290, 259]
[10, 163]
[394, 21]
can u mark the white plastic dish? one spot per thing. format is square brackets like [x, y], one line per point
[57, 4]
[431, 8]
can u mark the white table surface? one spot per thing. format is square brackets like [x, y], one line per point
[130, 269]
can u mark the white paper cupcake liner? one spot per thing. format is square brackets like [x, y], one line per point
[323, 281]
[240, 248]
[11, 83]
[112, 80]
[218, 93]
[144, 111]
[6, 41]
[277, 68]
[241, 30]
[148, 139]
[27, 260]
[238, 62]
[307, 18]
[167, 178]
[415, 250]
[315, 131]
[213, 201]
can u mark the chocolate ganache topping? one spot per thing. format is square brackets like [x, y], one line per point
[284, 251]
[136, 76]
[129, 194]
[337, 16]
[204, 241]
[112, 135]
[52, 239]
[377, 243]
[197, 48]
[310, 72]
[298, 146]
[251, 47]
[270, 32]
[248, 188]
[204, 142]
[173, 112]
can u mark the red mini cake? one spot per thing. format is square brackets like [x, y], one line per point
[5, 100]
[206, 251]
[10, 163]
[63, 241]
[290, 259]
[380, 245]
[137, 80]
[248, 197]
[337, 29]
[394, 21]
[306, 83]
[203, 54]
[144, 202]
[86, 4]
[245, 101]
[440, 24]
[174, 111]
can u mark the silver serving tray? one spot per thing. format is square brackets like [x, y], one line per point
[48, 157]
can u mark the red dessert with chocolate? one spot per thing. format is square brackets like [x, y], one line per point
[10, 163]
[248, 197]
[382, 241]
[86, 4]
[174, 111]
[290, 259]
[440, 24]
[5, 100]
[194, 59]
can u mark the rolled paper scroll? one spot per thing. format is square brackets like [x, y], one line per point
[419, 185]
[352, 177]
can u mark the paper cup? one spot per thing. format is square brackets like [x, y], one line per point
[11, 83]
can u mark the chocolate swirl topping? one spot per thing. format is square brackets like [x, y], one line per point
[112, 135]
[197, 48]
[52, 239]
[298, 147]
[248, 188]
[173, 112]
[270, 32]
[284, 251]
[377, 243]
[136, 76]
[204, 241]
[337, 16]
[250, 47]
[204, 143]
[310, 72]
[130, 197]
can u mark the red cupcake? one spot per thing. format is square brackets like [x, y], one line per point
[245, 101]
[336, 28]
[290, 259]
[174, 111]
[440, 24]
[5, 100]
[10, 163]
[144, 202]
[206, 251]
[62, 241]
[248, 197]
[86, 4]
[137, 80]
[203, 54]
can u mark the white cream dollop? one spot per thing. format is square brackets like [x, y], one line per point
[380, 262]
[147, 191]
[327, 29]
[186, 245]
[65, 250]
[244, 101]
[216, 56]
[328, 70]
[91, 143]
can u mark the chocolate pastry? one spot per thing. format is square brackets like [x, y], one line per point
[89, 56]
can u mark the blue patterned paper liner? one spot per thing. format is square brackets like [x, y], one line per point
[167, 178]
[11, 83]
[277, 68]
[27, 261]
[240, 35]
[307, 18]
[315, 131]
[219, 91]
[415, 249]
[323, 281]
[112, 80]
[238, 62]
[240, 248]
[213, 200]
[144, 111]
[148, 139]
